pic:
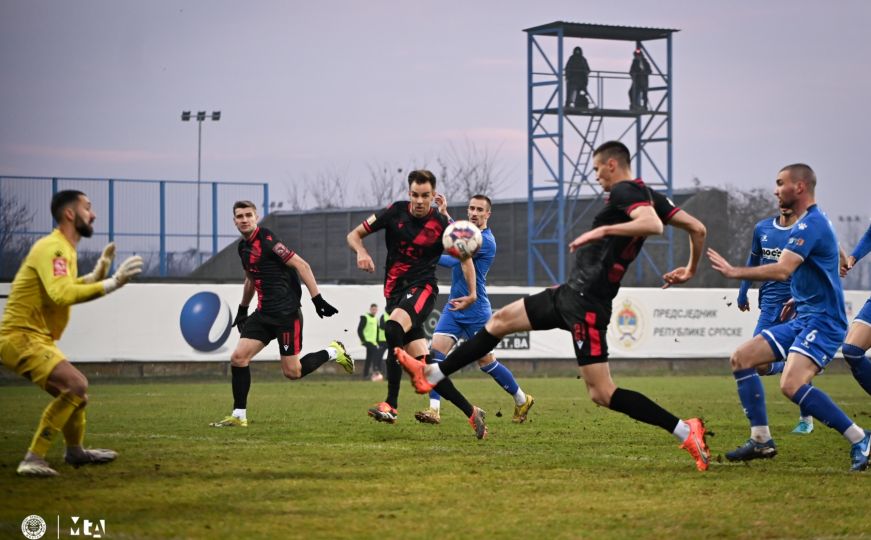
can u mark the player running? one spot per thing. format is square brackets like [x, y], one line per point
[37, 312]
[274, 271]
[456, 325]
[413, 234]
[769, 238]
[807, 342]
[582, 306]
[859, 336]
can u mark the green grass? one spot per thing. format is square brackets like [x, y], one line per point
[312, 465]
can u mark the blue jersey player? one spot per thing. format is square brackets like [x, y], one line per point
[769, 238]
[811, 339]
[455, 325]
[859, 336]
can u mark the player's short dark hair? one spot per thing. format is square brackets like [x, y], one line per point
[801, 172]
[421, 176]
[484, 198]
[61, 200]
[373, 305]
[614, 150]
[243, 204]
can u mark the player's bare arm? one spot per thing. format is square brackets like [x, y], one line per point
[305, 274]
[442, 204]
[469, 274]
[355, 242]
[697, 233]
[644, 222]
[778, 271]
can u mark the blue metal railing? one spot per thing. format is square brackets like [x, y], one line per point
[152, 218]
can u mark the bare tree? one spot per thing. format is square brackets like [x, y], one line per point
[386, 184]
[14, 243]
[745, 209]
[328, 189]
[471, 169]
[297, 196]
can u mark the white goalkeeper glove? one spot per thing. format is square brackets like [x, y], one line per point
[125, 272]
[104, 263]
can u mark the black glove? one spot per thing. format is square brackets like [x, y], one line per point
[241, 317]
[322, 308]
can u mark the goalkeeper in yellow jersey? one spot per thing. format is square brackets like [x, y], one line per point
[37, 311]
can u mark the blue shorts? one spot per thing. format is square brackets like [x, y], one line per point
[450, 326]
[816, 337]
[768, 316]
[864, 315]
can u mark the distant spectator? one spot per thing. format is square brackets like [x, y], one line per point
[367, 331]
[577, 76]
[640, 73]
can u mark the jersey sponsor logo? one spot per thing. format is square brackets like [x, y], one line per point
[771, 253]
[205, 321]
[59, 265]
[371, 219]
[796, 241]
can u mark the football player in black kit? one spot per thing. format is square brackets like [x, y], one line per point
[582, 306]
[413, 233]
[274, 271]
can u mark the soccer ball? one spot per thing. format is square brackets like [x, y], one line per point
[462, 239]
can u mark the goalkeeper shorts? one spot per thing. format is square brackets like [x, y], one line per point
[32, 356]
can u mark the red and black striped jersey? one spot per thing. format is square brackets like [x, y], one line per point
[599, 266]
[414, 246]
[264, 257]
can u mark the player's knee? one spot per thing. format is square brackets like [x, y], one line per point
[738, 360]
[789, 386]
[79, 386]
[292, 372]
[238, 359]
[599, 395]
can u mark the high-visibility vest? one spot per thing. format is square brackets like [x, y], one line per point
[381, 337]
[370, 331]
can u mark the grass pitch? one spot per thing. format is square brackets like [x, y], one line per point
[313, 465]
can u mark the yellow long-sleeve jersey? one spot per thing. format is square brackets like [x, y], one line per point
[45, 287]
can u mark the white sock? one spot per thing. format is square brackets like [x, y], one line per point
[435, 404]
[239, 413]
[681, 431]
[806, 419]
[333, 353]
[434, 373]
[760, 433]
[854, 434]
[519, 397]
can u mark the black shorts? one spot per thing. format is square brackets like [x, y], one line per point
[286, 328]
[563, 307]
[416, 301]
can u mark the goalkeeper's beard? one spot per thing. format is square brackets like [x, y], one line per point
[85, 230]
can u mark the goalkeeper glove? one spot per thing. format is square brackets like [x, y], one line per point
[322, 308]
[131, 267]
[241, 317]
[104, 263]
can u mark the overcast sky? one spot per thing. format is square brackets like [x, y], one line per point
[95, 88]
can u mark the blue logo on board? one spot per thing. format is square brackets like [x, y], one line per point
[205, 321]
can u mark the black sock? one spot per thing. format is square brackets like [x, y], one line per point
[447, 390]
[481, 343]
[394, 377]
[641, 408]
[241, 377]
[395, 335]
[312, 361]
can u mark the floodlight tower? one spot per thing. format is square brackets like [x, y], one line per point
[562, 186]
[200, 118]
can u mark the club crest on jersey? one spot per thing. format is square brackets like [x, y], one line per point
[59, 265]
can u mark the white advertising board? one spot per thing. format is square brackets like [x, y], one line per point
[170, 322]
